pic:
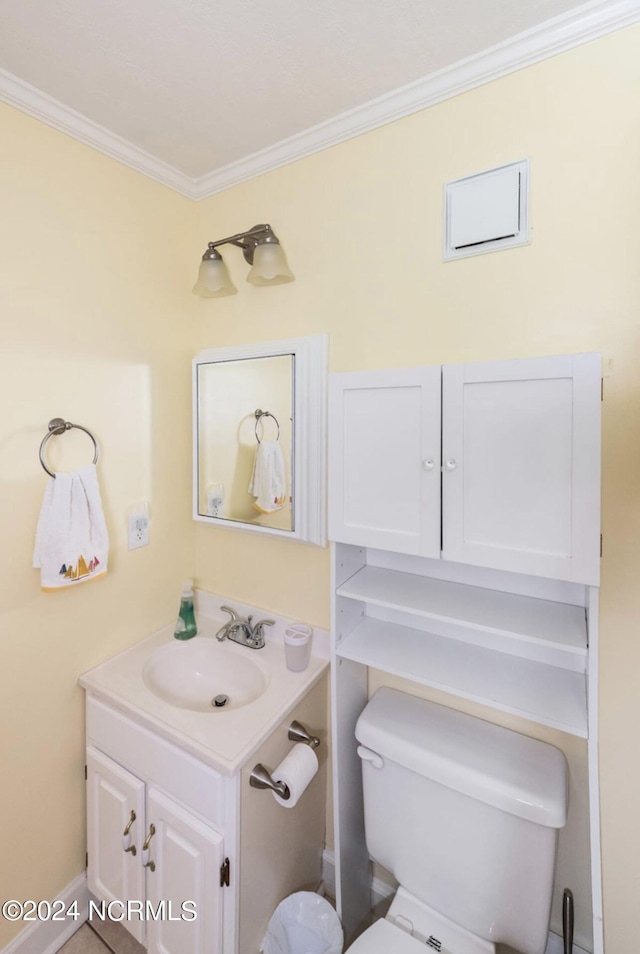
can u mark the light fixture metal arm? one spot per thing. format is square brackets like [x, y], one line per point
[248, 240]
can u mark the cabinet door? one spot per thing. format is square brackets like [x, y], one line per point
[521, 466]
[384, 459]
[185, 855]
[113, 796]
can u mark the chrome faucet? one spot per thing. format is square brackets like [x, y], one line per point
[243, 631]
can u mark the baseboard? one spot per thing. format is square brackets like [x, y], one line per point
[47, 937]
[329, 872]
[381, 891]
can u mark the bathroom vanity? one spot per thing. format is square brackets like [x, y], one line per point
[171, 815]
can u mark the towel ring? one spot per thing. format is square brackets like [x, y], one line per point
[58, 425]
[259, 415]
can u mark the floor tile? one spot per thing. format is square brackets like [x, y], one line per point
[84, 941]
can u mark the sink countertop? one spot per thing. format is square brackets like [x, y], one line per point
[223, 739]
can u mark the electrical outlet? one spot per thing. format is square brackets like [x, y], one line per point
[138, 530]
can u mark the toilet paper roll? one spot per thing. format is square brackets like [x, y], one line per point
[297, 769]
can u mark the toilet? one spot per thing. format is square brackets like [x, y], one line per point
[465, 815]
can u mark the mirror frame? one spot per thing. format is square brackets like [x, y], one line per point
[309, 433]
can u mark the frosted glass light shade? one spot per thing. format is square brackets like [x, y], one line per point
[269, 266]
[214, 280]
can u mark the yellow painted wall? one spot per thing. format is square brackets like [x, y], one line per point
[362, 226]
[93, 271]
[97, 325]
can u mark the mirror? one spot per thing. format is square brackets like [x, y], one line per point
[245, 417]
[259, 437]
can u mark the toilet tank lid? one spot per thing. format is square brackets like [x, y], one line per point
[498, 766]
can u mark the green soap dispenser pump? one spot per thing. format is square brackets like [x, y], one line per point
[186, 626]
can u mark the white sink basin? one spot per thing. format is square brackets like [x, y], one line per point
[202, 675]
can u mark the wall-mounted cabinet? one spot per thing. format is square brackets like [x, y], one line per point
[384, 459]
[470, 570]
[517, 485]
[274, 394]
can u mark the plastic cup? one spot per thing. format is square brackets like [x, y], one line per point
[297, 646]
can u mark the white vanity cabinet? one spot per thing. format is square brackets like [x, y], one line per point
[189, 862]
[183, 858]
[115, 825]
[520, 469]
[156, 835]
[200, 831]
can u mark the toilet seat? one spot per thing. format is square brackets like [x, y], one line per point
[408, 927]
[383, 937]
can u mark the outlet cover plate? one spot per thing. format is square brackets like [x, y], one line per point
[138, 524]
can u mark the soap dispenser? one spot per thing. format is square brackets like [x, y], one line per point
[186, 626]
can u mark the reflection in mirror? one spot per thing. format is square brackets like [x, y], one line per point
[259, 437]
[245, 460]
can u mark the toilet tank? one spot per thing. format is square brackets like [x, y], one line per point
[465, 814]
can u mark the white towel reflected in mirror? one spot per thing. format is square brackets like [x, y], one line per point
[268, 479]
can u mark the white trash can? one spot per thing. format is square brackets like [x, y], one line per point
[304, 923]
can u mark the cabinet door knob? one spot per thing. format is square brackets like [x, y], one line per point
[451, 464]
[146, 863]
[428, 464]
[126, 836]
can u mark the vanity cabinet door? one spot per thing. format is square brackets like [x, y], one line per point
[183, 861]
[115, 802]
[384, 459]
[521, 466]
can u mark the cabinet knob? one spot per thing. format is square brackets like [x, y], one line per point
[451, 464]
[428, 464]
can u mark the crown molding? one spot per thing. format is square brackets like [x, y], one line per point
[585, 23]
[554, 36]
[27, 98]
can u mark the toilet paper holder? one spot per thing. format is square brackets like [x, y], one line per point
[298, 733]
[261, 777]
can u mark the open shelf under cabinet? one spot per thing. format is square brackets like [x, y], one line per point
[554, 625]
[518, 654]
[532, 690]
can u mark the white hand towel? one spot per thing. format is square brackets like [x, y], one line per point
[268, 480]
[72, 544]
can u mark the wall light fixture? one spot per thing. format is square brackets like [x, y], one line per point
[261, 249]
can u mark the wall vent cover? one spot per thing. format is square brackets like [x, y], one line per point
[487, 211]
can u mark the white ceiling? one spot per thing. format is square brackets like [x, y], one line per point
[200, 85]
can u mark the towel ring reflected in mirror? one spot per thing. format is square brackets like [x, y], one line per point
[58, 425]
[290, 376]
[259, 415]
